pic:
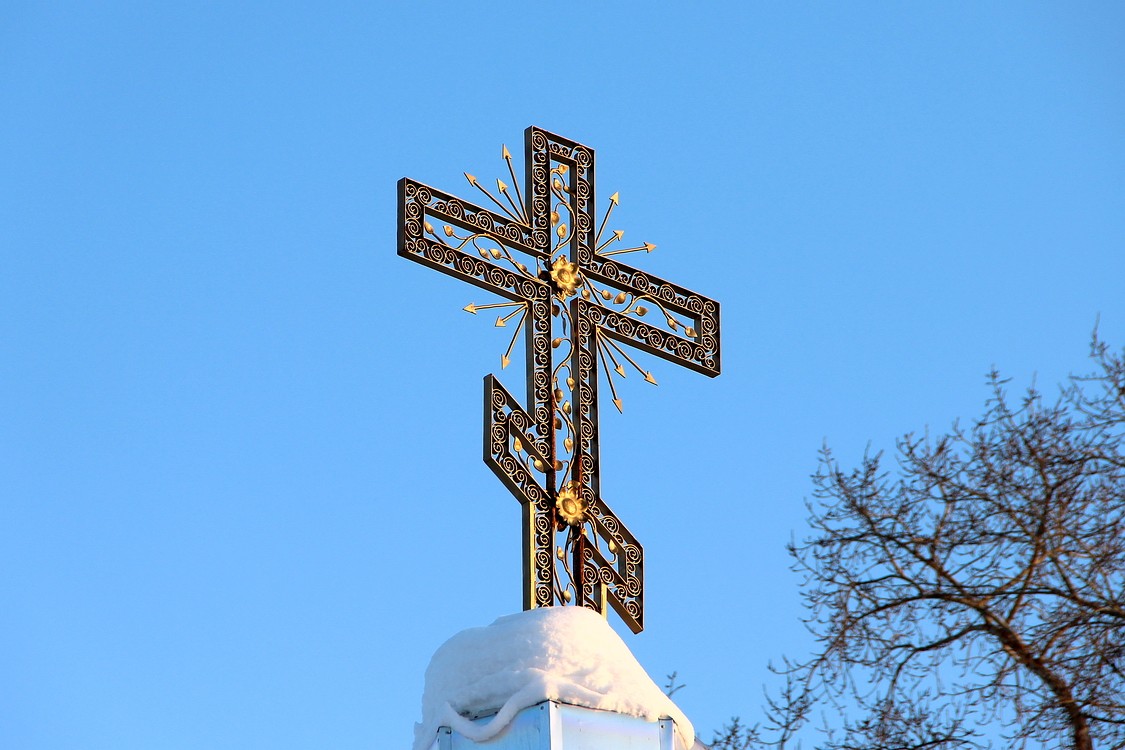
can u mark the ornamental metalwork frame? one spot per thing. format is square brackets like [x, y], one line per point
[576, 304]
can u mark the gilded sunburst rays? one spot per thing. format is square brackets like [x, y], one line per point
[565, 276]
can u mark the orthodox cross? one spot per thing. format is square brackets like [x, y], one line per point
[578, 306]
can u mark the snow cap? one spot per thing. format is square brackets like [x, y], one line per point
[565, 654]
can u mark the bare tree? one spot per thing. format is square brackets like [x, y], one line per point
[978, 587]
[735, 736]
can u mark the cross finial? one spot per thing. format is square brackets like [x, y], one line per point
[580, 308]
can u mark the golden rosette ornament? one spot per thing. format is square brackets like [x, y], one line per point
[565, 275]
[570, 504]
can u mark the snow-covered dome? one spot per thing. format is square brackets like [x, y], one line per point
[565, 654]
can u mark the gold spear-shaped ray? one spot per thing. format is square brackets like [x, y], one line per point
[505, 358]
[473, 181]
[616, 365]
[648, 247]
[648, 375]
[515, 183]
[617, 235]
[471, 308]
[503, 321]
[612, 202]
[503, 188]
[609, 378]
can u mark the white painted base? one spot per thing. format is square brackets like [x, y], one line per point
[557, 726]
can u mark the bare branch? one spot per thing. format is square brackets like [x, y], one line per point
[979, 585]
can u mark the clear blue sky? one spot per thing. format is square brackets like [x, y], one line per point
[241, 495]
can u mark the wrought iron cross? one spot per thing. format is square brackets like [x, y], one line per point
[545, 253]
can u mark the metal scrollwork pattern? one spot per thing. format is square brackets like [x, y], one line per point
[578, 308]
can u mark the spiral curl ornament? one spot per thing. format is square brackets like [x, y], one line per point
[512, 466]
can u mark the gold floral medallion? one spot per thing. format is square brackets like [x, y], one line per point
[565, 275]
[570, 504]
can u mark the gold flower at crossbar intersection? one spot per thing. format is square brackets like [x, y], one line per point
[570, 504]
[565, 275]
